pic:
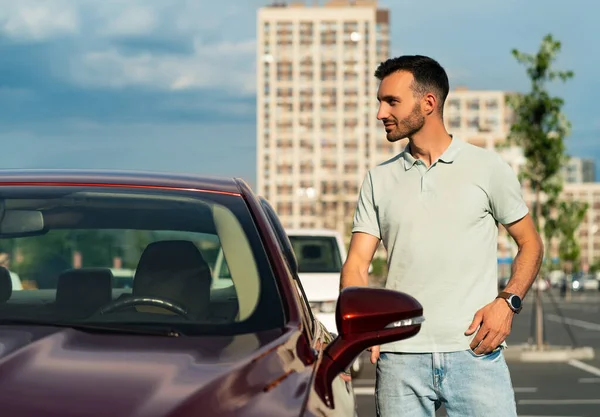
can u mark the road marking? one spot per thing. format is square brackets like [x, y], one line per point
[525, 389]
[371, 390]
[364, 390]
[584, 367]
[589, 380]
[574, 322]
[579, 299]
[583, 401]
[581, 307]
[527, 415]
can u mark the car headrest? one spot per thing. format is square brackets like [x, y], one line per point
[5, 285]
[174, 270]
[84, 290]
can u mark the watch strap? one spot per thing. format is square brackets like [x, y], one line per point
[504, 294]
[507, 296]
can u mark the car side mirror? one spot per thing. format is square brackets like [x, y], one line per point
[366, 317]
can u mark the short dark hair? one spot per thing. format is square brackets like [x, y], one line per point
[428, 73]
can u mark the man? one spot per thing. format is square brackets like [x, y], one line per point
[435, 207]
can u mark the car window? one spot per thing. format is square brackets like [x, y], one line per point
[317, 254]
[221, 274]
[88, 255]
[282, 237]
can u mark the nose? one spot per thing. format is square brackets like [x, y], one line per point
[383, 112]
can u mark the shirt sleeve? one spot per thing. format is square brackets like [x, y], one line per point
[365, 216]
[505, 193]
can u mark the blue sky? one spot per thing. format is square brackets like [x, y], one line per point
[170, 85]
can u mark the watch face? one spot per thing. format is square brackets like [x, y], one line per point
[515, 301]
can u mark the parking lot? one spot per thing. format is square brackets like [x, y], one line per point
[541, 389]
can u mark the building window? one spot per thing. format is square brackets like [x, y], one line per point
[473, 104]
[455, 123]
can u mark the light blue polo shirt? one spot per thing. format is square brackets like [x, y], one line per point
[439, 227]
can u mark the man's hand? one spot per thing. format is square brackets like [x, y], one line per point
[346, 377]
[374, 354]
[496, 323]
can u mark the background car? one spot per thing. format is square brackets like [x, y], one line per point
[170, 343]
[320, 254]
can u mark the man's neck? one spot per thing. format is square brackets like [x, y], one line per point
[428, 146]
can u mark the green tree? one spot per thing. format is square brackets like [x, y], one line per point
[570, 216]
[540, 126]
[97, 247]
[44, 257]
[379, 267]
[539, 130]
[136, 242]
[595, 267]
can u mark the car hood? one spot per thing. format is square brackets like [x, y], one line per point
[51, 372]
[320, 286]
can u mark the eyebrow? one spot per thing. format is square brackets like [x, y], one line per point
[388, 98]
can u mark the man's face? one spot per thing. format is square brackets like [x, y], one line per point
[399, 111]
[4, 259]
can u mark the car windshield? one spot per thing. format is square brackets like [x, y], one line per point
[135, 258]
[316, 254]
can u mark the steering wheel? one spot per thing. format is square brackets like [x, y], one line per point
[148, 301]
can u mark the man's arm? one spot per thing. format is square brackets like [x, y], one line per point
[496, 317]
[363, 244]
[365, 238]
[355, 271]
[528, 260]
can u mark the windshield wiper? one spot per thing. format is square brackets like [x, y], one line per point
[96, 328]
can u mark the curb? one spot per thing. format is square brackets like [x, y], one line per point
[529, 353]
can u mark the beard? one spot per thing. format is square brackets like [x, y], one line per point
[407, 127]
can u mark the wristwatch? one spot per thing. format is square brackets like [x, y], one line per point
[514, 301]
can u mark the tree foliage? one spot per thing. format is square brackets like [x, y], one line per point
[44, 257]
[540, 129]
[571, 214]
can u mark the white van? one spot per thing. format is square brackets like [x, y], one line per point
[320, 254]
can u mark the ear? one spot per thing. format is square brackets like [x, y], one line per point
[429, 103]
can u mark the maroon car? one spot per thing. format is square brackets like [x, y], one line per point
[79, 337]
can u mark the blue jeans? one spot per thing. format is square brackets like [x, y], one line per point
[417, 384]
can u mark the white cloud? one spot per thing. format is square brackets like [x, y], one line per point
[228, 65]
[97, 58]
[133, 20]
[31, 20]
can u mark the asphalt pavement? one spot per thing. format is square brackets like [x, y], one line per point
[541, 389]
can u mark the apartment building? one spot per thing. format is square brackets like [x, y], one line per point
[588, 234]
[481, 115]
[317, 131]
[483, 118]
[579, 170]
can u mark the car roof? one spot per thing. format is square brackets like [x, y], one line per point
[120, 177]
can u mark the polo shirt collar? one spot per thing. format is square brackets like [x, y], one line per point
[447, 157]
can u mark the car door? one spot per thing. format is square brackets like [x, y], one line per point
[343, 394]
